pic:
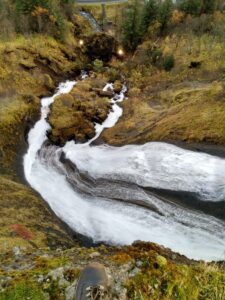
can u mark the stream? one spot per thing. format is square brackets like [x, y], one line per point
[154, 192]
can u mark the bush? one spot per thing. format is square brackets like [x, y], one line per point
[98, 65]
[169, 63]
[192, 7]
[196, 7]
[209, 6]
[113, 74]
[150, 14]
[165, 13]
[132, 31]
[156, 55]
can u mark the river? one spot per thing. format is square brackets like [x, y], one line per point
[109, 193]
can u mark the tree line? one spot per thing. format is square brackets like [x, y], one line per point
[34, 16]
[140, 15]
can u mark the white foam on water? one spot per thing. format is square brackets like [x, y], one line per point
[160, 165]
[157, 165]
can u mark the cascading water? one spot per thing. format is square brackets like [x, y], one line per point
[104, 192]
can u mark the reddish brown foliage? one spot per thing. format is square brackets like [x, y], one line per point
[22, 231]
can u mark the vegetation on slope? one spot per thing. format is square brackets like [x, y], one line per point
[73, 115]
[141, 271]
[184, 102]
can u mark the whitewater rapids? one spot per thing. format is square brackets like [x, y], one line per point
[104, 192]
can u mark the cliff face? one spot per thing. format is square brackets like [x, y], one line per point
[29, 69]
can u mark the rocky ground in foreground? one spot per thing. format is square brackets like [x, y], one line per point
[142, 271]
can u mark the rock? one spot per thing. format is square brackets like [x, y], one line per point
[4, 282]
[108, 93]
[94, 255]
[139, 263]
[73, 116]
[40, 278]
[63, 283]
[70, 291]
[100, 46]
[17, 251]
[56, 274]
[96, 90]
[134, 272]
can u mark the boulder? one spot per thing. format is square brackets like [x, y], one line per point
[108, 93]
[100, 46]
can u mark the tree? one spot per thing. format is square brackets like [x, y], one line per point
[27, 6]
[196, 7]
[132, 26]
[165, 13]
[192, 7]
[209, 6]
[41, 16]
[150, 14]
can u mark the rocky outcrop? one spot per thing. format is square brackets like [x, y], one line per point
[100, 46]
[74, 115]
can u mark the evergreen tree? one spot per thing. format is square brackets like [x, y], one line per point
[27, 6]
[165, 13]
[192, 7]
[132, 27]
[150, 14]
[209, 6]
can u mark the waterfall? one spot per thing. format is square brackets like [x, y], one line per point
[108, 193]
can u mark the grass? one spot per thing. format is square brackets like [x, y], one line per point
[23, 291]
[162, 277]
[161, 274]
[29, 69]
[19, 205]
[185, 104]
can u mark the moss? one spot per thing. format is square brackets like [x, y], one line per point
[73, 115]
[29, 69]
[19, 205]
[121, 258]
[48, 263]
[23, 290]
[162, 278]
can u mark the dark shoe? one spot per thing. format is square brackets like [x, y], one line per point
[93, 283]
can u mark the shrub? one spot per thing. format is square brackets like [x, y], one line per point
[156, 55]
[98, 65]
[113, 74]
[150, 14]
[192, 7]
[132, 30]
[165, 13]
[169, 63]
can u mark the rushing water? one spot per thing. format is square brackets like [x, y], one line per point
[94, 24]
[110, 194]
